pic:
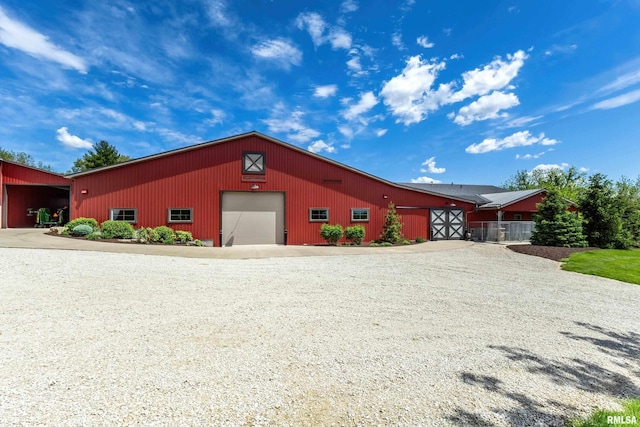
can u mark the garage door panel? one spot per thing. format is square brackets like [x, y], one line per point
[252, 218]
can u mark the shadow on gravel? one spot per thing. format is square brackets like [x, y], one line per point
[624, 349]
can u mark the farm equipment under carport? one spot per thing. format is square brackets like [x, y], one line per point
[45, 219]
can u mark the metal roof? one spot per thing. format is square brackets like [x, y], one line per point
[466, 191]
[505, 198]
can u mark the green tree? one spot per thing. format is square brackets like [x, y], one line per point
[102, 154]
[570, 183]
[23, 158]
[602, 220]
[392, 229]
[555, 226]
[627, 200]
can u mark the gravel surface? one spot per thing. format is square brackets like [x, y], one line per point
[476, 336]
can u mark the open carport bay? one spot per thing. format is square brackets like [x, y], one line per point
[475, 336]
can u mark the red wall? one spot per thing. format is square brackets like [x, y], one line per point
[526, 208]
[12, 173]
[194, 179]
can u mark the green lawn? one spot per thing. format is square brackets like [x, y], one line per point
[630, 416]
[616, 264]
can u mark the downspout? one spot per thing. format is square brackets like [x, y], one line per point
[499, 230]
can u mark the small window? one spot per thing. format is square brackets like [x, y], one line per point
[359, 214]
[319, 214]
[517, 217]
[180, 215]
[128, 215]
[253, 163]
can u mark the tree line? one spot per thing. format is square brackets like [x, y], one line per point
[101, 154]
[608, 213]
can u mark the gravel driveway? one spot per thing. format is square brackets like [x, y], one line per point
[475, 336]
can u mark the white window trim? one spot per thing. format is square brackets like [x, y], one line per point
[360, 209]
[318, 220]
[135, 214]
[519, 217]
[189, 221]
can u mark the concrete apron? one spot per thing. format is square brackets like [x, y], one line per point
[36, 238]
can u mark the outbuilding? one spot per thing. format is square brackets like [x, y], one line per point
[24, 190]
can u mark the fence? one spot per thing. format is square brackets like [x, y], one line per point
[508, 231]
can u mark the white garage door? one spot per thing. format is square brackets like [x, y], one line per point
[252, 218]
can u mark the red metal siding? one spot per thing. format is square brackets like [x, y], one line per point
[194, 179]
[17, 174]
[526, 205]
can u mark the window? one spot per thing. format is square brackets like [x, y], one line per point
[128, 215]
[180, 215]
[517, 217]
[253, 163]
[360, 214]
[319, 214]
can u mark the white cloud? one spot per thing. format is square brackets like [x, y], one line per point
[486, 107]
[292, 125]
[425, 180]
[381, 132]
[565, 49]
[521, 121]
[19, 36]
[72, 141]
[621, 82]
[409, 95]
[218, 14]
[316, 27]
[396, 40]
[367, 101]
[618, 101]
[346, 131]
[141, 126]
[424, 42]
[518, 139]
[349, 6]
[494, 76]
[320, 145]
[548, 167]
[430, 164]
[217, 117]
[325, 91]
[279, 50]
[354, 64]
[529, 156]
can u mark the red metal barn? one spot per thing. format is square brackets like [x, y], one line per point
[253, 189]
[509, 206]
[25, 189]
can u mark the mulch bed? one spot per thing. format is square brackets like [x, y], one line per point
[550, 252]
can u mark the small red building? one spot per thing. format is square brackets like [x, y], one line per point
[24, 190]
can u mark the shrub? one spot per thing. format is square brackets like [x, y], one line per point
[386, 244]
[116, 230]
[392, 229]
[146, 235]
[555, 226]
[81, 230]
[183, 236]
[355, 234]
[420, 240]
[331, 233]
[82, 220]
[374, 243]
[197, 242]
[165, 235]
[406, 242]
[94, 236]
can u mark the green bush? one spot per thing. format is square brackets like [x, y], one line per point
[146, 235]
[81, 230]
[183, 236]
[555, 226]
[331, 233]
[374, 243]
[406, 242]
[386, 244]
[392, 229]
[116, 230]
[355, 234]
[93, 236]
[197, 242]
[420, 240]
[82, 221]
[165, 235]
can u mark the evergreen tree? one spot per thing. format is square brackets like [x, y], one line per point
[602, 220]
[392, 229]
[555, 226]
[102, 154]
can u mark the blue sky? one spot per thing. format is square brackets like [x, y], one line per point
[429, 91]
